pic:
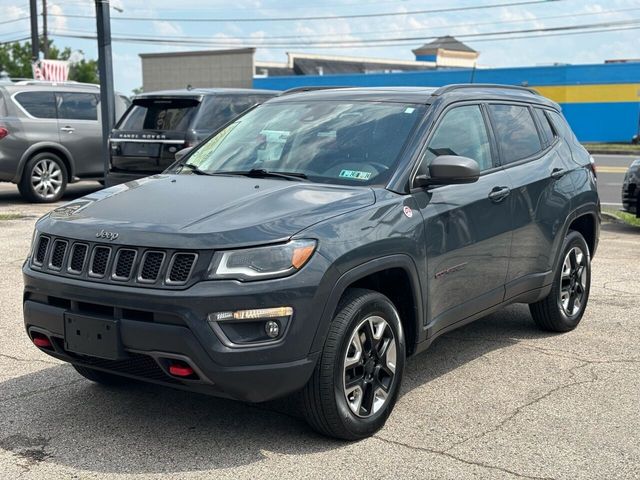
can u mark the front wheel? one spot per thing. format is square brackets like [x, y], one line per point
[44, 178]
[562, 309]
[356, 382]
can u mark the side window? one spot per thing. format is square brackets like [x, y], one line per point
[220, 109]
[38, 104]
[461, 132]
[77, 106]
[515, 131]
[547, 131]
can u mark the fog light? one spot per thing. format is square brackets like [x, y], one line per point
[253, 314]
[272, 328]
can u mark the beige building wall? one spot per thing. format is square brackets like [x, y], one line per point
[219, 68]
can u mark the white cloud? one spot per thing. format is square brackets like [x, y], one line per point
[166, 28]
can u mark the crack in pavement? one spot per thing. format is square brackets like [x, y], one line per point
[38, 391]
[445, 453]
[538, 399]
[545, 351]
[27, 360]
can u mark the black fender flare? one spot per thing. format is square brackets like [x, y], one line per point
[363, 270]
[591, 209]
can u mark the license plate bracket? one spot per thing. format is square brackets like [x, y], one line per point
[93, 336]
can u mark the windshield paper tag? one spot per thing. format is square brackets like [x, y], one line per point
[355, 175]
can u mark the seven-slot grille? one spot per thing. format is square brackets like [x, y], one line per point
[100, 262]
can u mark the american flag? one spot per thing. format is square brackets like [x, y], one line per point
[51, 70]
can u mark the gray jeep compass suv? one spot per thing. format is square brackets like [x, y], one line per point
[50, 135]
[318, 241]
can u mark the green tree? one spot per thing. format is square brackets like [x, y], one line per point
[15, 58]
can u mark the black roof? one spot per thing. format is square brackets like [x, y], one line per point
[423, 95]
[446, 42]
[197, 92]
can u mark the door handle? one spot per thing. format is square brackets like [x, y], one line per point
[557, 173]
[499, 193]
[68, 129]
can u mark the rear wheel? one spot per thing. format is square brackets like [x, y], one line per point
[563, 308]
[103, 378]
[44, 178]
[357, 380]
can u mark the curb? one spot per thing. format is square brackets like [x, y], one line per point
[610, 217]
[597, 151]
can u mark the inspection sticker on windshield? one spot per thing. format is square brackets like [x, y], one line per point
[355, 174]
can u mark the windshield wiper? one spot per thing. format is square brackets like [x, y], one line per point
[262, 173]
[195, 169]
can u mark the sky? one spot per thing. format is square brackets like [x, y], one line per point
[161, 20]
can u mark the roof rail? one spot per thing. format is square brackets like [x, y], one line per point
[497, 86]
[310, 89]
[68, 83]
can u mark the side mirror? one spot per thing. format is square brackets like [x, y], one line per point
[449, 170]
[181, 153]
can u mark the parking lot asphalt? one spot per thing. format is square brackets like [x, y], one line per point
[495, 399]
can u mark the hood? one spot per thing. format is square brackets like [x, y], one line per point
[191, 211]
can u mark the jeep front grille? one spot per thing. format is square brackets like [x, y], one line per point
[150, 266]
[57, 255]
[41, 251]
[78, 258]
[97, 262]
[180, 269]
[124, 264]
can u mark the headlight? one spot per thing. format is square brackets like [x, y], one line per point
[262, 262]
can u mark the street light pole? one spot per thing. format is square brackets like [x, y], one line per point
[105, 66]
[35, 47]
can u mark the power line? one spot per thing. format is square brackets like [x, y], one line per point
[365, 42]
[319, 17]
[483, 40]
[438, 27]
[4, 22]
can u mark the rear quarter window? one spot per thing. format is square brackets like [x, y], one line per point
[547, 131]
[77, 106]
[516, 132]
[37, 104]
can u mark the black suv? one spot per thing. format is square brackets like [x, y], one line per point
[158, 124]
[316, 242]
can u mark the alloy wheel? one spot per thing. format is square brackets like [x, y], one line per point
[369, 366]
[46, 178]
[573, 281]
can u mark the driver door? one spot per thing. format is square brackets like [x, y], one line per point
[467, 227]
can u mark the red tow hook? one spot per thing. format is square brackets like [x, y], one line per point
[41, 341]
[180, 369]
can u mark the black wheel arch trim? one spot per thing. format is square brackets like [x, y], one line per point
[402, 261]
[591, 209]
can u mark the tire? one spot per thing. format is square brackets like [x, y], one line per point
[44, 178]
[325, 405]
[563, 308]
[103, 378]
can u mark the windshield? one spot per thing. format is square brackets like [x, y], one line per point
[328, 142]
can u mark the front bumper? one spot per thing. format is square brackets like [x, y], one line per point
[158, 325]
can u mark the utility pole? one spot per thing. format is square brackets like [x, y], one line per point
[35, 47]
[105, 67]
[45, 36]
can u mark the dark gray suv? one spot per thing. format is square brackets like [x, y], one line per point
[317, 242]
[50, 136]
